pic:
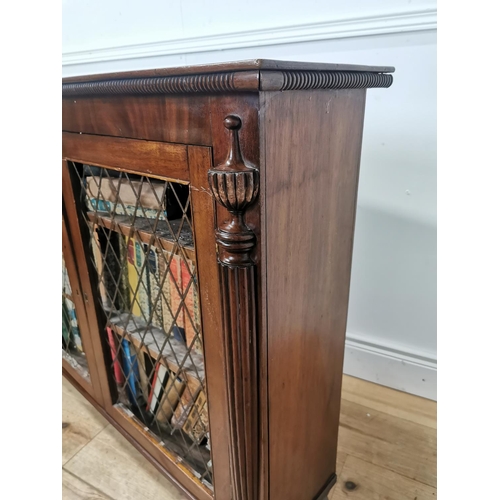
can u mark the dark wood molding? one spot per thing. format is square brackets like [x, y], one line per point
[327, 80]
[235, 185]
[253, 76]
[182, 84]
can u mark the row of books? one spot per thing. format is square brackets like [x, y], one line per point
[153, 284]
[126, 197]
[166, 393]
[70, 331]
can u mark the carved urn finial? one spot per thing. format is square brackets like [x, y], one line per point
[235, 185]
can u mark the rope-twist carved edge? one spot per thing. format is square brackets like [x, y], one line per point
[221, 82]
[301, 80]
[225, 82]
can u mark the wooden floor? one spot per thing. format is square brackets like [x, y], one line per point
[387, 450]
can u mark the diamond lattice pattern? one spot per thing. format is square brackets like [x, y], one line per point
[142, 249]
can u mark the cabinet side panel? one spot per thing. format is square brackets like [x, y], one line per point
[312, 152]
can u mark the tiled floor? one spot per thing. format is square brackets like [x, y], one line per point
[387, 448]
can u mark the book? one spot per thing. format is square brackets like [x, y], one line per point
[114, 356]
[126, 197]
[110, 247]
[130, 371]
[198, 344]
[143, 281]
[133, 278]
[154, 286]
[73, 323]
[175, 279]
[160, 377]
[124, 282]
[145, 365]
[189, 395]
[196, 425]
[106, 253]
[166, 305]
[170, 398]
[188, 309]
[66, 327]
[99, 266]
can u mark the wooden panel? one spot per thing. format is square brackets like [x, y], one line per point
[361, 480]
[176, 119]
[396, 444]
[143, 157]
[396, 403]
[203, 208]
[80, 422]
[312, 153]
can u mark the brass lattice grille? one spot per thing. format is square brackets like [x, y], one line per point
[72, 347]
[141, 246]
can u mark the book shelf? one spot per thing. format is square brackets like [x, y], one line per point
[205, 317]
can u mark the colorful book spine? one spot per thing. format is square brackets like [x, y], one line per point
[188, 309]
[143, 374]
[110, 247]
[114, 356]
[170, 398]
[159, 380]
[154, 287]
[124, 283]
[198, 343]
[75, 332]
[196, 425]
[143, 281]
[130, 371]
[110, 208]
[66, 327]
[191, 391]
[99, 266]
[133, 278]
[175, 278]
[163, 259]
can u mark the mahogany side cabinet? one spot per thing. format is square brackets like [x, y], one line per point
[208, 217]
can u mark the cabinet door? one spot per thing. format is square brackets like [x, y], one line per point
[77, 350]
[154, 305]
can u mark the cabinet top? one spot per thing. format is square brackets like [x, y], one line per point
[251, 75]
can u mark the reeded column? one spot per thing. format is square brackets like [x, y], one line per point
[235, 185]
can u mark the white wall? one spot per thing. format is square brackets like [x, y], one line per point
[392, 317]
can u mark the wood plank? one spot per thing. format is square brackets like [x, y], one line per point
[74, 488]
[396, 403]
[404, 447]
[376, 483]
[81, 421]
[312, 150]
[112, 465]
[155, 159]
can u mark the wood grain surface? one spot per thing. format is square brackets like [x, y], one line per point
[312, 153]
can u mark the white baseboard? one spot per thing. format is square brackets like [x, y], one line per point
[374, 24]
[390, 365]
